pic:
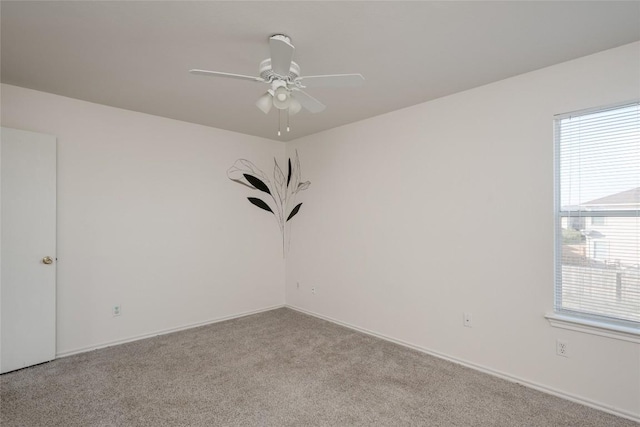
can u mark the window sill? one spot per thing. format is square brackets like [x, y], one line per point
[593, 327]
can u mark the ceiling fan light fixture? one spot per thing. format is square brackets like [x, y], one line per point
[281, 98]
[265, 102]
[294, 106]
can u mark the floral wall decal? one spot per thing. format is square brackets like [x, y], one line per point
[281, 191]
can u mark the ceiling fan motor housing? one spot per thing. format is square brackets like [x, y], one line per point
[267, 73]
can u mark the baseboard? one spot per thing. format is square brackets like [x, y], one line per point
[164, 331]
[545, 389]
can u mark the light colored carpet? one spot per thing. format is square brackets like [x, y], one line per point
[278, 368]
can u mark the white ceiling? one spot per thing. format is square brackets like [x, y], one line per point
[135, 55]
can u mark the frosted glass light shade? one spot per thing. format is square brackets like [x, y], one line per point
[281, 98]
[294, 106]
[265, 102]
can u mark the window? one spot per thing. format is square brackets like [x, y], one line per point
[597, 186]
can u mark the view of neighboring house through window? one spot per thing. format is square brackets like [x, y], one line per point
[600, 251]
[598, 214]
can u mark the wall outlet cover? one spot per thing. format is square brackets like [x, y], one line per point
[562, 348]
[467, 320]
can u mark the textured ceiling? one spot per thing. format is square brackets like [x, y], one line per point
[135, 55]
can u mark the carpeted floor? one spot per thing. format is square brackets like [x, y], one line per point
[278, 368]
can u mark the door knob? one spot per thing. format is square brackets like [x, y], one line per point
[47, 260]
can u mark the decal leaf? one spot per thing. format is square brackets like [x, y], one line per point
[289, 175]
[240, 168]
[279, 177]
[303, 185]
[277, 173]
[294, 211]
[259, 203]
[295, 175]
[298, 171]
[257, 183]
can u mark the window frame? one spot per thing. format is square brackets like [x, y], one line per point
[566, 318]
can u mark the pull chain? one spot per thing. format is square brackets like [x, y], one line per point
[279, 121]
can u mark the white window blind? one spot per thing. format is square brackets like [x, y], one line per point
[598, 214]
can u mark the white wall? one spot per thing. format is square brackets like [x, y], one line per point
[417, 216]
[148, 219]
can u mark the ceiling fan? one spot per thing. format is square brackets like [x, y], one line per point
[282, 74]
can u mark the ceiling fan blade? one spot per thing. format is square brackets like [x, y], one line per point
[308, 101]
[332, 80]
[221, 74]
[281, 54]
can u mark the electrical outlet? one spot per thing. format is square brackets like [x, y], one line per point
[562, 348]
[116, 310]
[313, 290]
[467, 320]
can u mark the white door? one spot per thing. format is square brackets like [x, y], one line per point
[28, 249]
